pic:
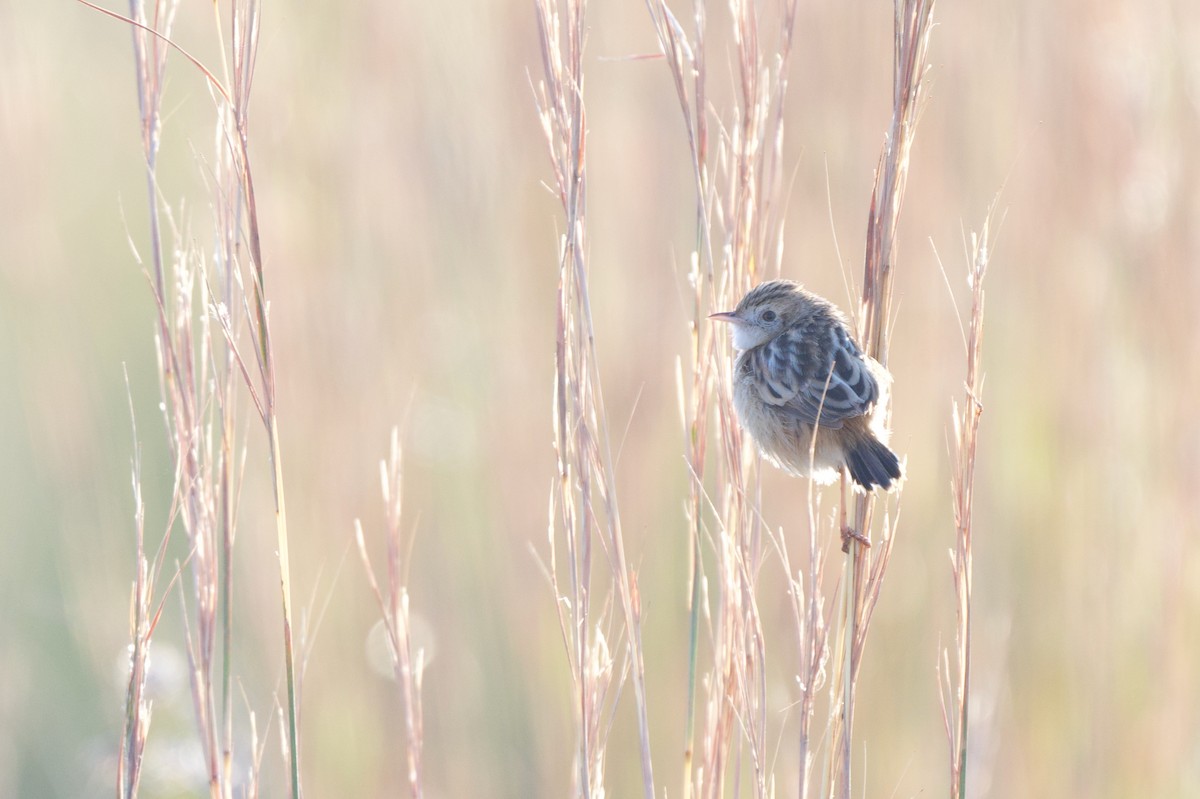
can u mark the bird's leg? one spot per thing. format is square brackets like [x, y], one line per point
[849, 532]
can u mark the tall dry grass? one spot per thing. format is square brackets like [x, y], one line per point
[739, 242]
[584, 506]
[399, 132]
[206, 306]
[955, 684]
[739, 167]
[865, 567]
[408, 660]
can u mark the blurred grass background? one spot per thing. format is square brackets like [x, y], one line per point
[411, 257]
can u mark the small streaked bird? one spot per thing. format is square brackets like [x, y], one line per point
[800, 374]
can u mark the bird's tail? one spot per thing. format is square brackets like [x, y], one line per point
[872, 464]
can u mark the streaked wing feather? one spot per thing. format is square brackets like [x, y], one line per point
[797, 365]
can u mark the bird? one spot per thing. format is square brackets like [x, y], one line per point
[805, 391]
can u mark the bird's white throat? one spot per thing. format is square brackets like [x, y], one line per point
[746, 336]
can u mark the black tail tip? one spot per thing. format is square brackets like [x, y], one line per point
[872, 464]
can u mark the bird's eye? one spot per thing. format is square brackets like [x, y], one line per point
[768, 316]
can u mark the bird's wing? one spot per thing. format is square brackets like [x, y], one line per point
[811, 372]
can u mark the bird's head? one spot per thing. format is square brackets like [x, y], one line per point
[766, 311]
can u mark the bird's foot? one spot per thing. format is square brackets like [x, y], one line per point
[849, 533]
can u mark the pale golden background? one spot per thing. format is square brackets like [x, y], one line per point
[410, 251]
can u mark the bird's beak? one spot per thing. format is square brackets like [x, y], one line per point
[725, 316]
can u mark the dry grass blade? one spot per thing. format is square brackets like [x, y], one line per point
[137, 708]
[198, 374]
[865, 567]
[137, 21]
[408, 664]
[739, 215]
[955, 685]
[586, 500]
[914, 24]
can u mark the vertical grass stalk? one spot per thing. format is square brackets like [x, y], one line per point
[584, 504]
[864, 567]
[955, 688]
[687, 68]
[408, 666]
[198, 398]
[738, 214]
